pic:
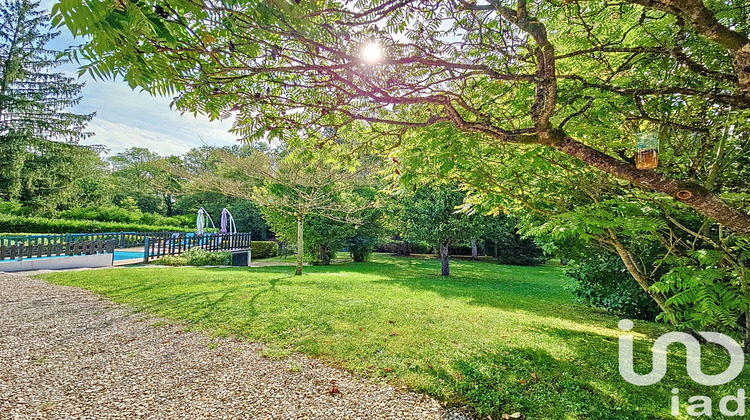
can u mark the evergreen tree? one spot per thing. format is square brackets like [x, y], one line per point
[34, 120]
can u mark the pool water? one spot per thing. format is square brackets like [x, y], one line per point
[127, 255]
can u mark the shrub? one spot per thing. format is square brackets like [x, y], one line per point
[9, 223]
[158, 219]
[360, 247]
[387, 245]
[11, 207]
[604, 282]
[264, 249]
[515, 250]
[197, 257]
[322, 253]
[419, 247]
[324, 238]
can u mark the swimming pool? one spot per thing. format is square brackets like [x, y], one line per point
[127, 255]
[119, 256]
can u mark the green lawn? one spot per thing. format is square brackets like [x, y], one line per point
[499, 339]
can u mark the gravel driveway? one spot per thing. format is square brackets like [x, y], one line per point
[65, 353]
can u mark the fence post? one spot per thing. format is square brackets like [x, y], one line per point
[145, 249]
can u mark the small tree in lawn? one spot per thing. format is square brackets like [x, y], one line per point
[430, 214]
[291, 188]
[323, 237]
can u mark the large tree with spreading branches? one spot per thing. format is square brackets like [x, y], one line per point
[460, 87]
[512, 71]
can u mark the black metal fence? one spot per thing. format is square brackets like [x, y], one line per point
[121, 239]
[179, 242]
[55, 249]
[154, 244]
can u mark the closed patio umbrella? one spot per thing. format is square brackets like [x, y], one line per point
[200, 222]
[227, 222]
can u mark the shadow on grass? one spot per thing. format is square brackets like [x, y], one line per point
[271, 288]
[503, 291]
[586, 385]
[511, 288]
[535, 383]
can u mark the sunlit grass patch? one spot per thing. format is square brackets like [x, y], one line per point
[498, 338]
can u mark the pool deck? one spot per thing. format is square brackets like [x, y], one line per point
[127, 262]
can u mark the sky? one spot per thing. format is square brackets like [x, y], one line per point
[127, 118]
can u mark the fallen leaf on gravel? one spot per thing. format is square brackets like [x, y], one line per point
[334, 388]
[387, 369]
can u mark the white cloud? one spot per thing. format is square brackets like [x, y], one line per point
[118, 136]
[124, 114]
[127, 118]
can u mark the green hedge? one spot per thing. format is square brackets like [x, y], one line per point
[120, 215]
[18, 224]
[197, 257]
[264, 249]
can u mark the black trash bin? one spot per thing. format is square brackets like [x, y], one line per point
[241, 259]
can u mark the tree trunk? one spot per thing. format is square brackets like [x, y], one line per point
[636, 273]
[323, 255]
[747, 333]
[300, 248]
[474, 251]
[444, 260]
[403, 249]
[168, 202]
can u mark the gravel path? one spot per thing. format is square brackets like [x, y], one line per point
[65, 353]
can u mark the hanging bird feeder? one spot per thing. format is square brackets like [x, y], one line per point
[647, 149]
